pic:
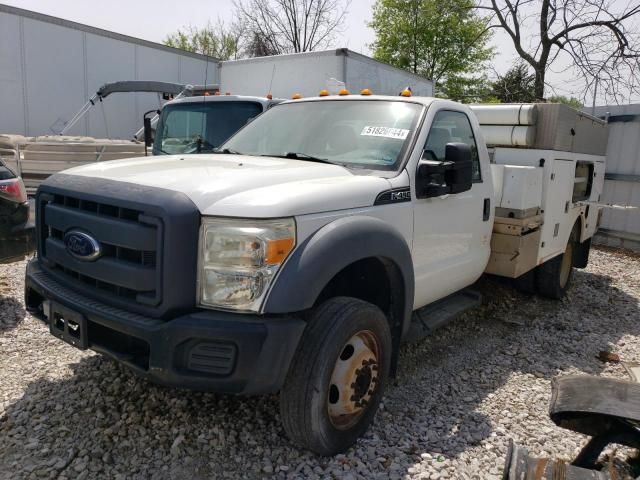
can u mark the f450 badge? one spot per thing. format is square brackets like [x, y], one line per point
[394, 196]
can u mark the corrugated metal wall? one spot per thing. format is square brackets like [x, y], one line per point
[622, 179]
[49, 68]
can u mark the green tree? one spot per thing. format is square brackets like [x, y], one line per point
[467, 89]
[214, 39]
[571, 101]
[518, 85]
[439, 39]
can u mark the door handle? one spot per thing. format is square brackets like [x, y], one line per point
[486, 210]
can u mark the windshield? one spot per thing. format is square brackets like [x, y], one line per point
[201, 127]
[362, 134]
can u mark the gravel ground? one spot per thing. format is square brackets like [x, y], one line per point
[460, 396]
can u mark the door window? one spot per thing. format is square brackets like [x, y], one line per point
[449, 126]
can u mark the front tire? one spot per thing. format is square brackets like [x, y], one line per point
[337, 376]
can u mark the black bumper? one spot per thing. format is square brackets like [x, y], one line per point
[18, 242]
[206, 350]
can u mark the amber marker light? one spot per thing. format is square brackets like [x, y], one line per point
[296, 96]
[278, 250]
[343, 92]
[365, 91]
[323, 93]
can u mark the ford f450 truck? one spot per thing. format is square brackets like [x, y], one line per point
[299, 256]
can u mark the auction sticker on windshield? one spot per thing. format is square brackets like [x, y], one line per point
[388, 132]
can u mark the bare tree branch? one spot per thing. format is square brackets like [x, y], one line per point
[597, 38]
[287, 26]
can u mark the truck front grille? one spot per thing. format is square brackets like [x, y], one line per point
[148, 237]
[130, 240]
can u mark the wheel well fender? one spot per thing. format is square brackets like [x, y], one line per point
[334, 247]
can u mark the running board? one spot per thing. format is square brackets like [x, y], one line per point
[425, 320]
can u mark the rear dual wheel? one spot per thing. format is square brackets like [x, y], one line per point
[553, 278]
[337, 377]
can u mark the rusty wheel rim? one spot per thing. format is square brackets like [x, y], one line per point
[354, 380]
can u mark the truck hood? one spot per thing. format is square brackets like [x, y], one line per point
[245, 186]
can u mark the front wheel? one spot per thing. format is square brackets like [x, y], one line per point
[337, 377]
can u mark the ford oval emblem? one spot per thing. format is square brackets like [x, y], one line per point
[82, 246]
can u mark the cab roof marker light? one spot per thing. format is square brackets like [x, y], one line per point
[269, 96]
[343, 92]
[323, 93]
[227, 93]
[365, 92]
[217, 93]
[406, 92]
[296, 96]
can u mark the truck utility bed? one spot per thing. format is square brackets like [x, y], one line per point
[546, 178]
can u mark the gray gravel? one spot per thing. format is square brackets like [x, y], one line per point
[460, 396]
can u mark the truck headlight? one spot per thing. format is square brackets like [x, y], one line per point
[239, 258]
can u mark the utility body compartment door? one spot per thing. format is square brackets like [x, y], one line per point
[452, 233]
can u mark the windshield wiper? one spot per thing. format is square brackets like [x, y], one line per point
[165, 153]
[228, 151]
[302, 156]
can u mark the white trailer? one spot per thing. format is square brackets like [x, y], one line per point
[308, 73]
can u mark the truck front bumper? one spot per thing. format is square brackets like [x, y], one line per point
[206, 350]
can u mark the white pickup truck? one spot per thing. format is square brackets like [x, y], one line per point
[299, 256]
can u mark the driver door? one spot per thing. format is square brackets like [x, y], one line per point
[452, 233]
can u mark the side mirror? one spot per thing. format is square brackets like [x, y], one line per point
[148, 133]
[460, 174]
[148, 129]
[453, 175]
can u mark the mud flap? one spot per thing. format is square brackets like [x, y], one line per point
[581, 254]
[606, 409]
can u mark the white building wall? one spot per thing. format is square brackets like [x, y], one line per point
[49, 68]
[622, 179]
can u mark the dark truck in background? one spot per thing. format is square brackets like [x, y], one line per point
[201, 124]
[17, 233]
